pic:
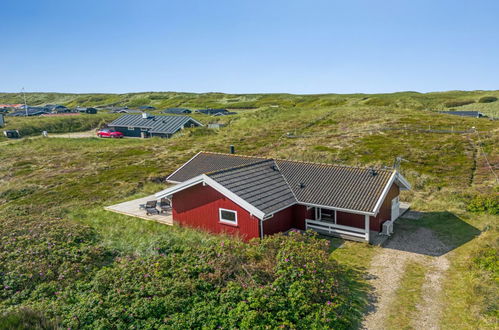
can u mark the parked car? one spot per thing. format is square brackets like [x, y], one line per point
[110, 133]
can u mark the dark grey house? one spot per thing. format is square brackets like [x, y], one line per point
[147, 107]
[177, 111]
[146, 125]
[86, 110]
[214, 112]
[474, 114]
[57, 108]
[31, 111]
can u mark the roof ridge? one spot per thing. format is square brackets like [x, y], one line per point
[234, 155]
[287, 182]
[238, 167]
[296, 161]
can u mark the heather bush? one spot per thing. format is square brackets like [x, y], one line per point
[484, 204]
[281, 281]
[39, 258]
[487, 99]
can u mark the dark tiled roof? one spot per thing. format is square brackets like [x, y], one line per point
[212, 111]
[177, 110]
[155, 124]
[32, 111]
[205, 162]
[343, 187]
[261, 184]
[335, 186]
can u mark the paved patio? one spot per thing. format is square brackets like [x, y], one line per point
[132, 208]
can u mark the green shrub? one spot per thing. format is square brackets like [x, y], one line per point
[12, 194]
[376, 101]
[487, 99]
[452, 104]
[281, 281]
[484, 204]
[25, 319]
[488, 259]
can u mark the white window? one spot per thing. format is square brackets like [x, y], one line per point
[131, 128]
[228, 216]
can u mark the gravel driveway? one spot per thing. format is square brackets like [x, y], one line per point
[387, 268]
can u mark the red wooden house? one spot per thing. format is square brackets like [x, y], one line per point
[253, 196]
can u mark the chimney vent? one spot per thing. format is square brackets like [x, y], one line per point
[145, 115]
[274, 167]
[373, 172]
[232, 149]
[302, 185]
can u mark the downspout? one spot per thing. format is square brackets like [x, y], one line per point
[261, 229]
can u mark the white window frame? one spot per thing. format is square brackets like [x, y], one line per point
[131, 128]
[230, 222]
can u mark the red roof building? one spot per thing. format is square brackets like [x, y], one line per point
[16, 106]
[254, 196]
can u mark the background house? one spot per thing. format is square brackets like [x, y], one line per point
[31, 111]
[215, 112]
[86, 110]
[146, 125]
[474, 114]
[177, 111]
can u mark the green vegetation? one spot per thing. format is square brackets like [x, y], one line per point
[487, 99]
[66, 261]
[452, 104]
[407, 296]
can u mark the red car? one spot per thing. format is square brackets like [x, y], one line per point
[110, 133]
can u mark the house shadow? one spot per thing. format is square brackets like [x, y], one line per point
[433, 234]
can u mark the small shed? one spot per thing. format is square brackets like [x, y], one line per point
[12, 134]
[216, 125]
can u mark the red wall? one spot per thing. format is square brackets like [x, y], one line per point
[300, 214]
[198, 206]
[280, 222]
[385, 211]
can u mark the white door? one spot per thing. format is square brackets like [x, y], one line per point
[395, 208]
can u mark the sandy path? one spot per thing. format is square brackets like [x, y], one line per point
[85, 134]
[387, 268]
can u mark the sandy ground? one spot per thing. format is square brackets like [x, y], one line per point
[387, 268]
[85, 134]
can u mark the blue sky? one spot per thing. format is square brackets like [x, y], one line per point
[249, 46]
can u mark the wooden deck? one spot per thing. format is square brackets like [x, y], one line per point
[132, 208]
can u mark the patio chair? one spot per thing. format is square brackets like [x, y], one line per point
[165, 205]
[151, 207]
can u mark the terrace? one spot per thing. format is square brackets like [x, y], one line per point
[134, 208]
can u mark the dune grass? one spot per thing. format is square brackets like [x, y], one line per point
[59, 186]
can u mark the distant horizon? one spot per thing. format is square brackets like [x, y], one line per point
[256, 93]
